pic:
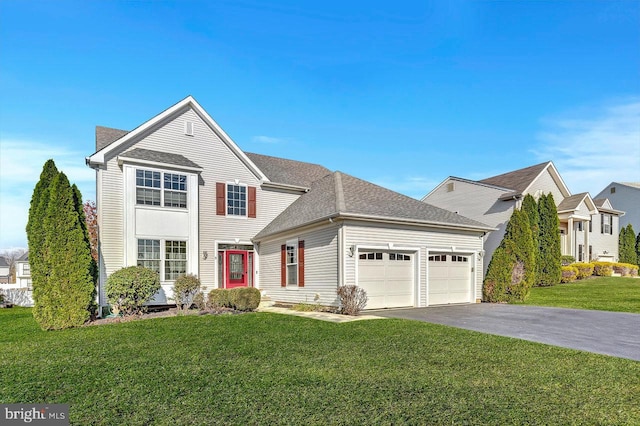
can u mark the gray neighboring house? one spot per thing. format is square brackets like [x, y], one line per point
[23, 272]
[177, 195]
[588, 229]
[625, 196]
[4, 271]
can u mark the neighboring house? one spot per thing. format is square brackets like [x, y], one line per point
[588, 229]
[177, 195]
[625, 196]
[23, 272]
[5, 272]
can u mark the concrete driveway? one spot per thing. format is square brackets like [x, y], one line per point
[608, 333]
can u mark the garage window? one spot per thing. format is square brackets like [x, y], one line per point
[459, 259]
[438, 258]
[371, 256]
[399, 256]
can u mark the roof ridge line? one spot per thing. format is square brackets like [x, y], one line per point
[340, 205]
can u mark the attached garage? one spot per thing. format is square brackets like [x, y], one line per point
[450, 279]
[388, 277]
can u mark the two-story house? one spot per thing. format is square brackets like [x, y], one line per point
[588, 228]
[177, 195]
[23, 272]
[624, 196]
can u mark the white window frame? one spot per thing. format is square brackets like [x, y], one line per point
[172, 190]
[163, 259]
[291, 261]
[167, 260]
[246, 200]
[162, 190]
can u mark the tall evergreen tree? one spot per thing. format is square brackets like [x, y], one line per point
[549, 269]
[626, 245]
[511, 272]
[638, 248]
[66, 296]
[36, 231]
[530, 207]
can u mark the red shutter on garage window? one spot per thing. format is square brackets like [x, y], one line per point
[252, 201]
[283, 265]
[220, 198]
[301, 263]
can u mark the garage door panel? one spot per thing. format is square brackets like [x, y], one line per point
[449, 279]
[388, 279]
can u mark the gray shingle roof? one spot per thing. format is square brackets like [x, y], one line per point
[3, 262]
[572, 202]
[518, 180]
[25, 256]
[340, 194]
[289, 172]
[106, 136]
[160, 157]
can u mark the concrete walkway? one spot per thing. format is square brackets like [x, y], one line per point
[322, 316]
[609, 333]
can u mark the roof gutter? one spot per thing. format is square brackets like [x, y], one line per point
[275, 185]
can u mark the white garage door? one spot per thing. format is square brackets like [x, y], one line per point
[449, 279]
[387, 277]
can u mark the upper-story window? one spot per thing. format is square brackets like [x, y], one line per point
[606, 223]
[150, 193]
[175, 190]
[580, 226]
[236, 200]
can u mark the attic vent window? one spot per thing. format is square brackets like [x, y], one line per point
[613, 189]
[188, 128]
[451, 186]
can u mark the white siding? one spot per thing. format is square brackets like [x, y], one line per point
[220, 164]
[419, 239]
[477, 202]
[321, 268]
[604, 242]
[545, 184]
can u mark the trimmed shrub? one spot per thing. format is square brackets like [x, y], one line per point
[184, 290]
[585, 270]
[353, 299]
[567, 260]
[569, 274]
[128, 289]
[602, 269]
[625, 269]
[244, 298]
[199, 302]
[218, 298]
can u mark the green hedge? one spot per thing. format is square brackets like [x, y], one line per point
[602, 269]
[569, 274]
[585, 270]
[239, 298]
[625, 269]
[128, 289]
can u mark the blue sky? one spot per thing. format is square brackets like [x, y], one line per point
[402, 93]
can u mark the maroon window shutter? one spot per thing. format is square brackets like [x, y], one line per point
[283, 265]
[252, 201]
[220, 198]
[602, 223]
[300, 263]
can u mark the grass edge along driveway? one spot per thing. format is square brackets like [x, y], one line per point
[615, 294]
[262, 368]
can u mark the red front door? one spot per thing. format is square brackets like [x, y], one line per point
[237, 274]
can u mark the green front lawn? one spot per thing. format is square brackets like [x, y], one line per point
[602, 293]
[261, 368]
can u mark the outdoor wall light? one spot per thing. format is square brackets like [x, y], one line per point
[352, 250]
[205, 255]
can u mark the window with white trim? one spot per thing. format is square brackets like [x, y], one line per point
[148, 187]
[291, 262]
[438, 258]
[455, 258]
[399, 256]
[175, 259]
[236, 200]
[607, 224]
[169, 263]
[173, 192]
[149, 254]
[580, 226]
